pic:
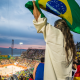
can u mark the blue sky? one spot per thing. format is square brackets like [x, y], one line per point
[16, 22]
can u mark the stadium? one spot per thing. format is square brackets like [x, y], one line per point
[22, 65]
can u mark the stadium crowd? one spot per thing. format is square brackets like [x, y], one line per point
[33, 53]
[29, 63]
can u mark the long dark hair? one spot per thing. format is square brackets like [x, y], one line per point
[62, 25]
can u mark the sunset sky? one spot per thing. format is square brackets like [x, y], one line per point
[16, 22]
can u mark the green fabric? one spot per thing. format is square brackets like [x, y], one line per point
[29, 5]
[75, 10]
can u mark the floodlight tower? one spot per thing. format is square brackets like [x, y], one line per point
[20, 46]
[12, 47]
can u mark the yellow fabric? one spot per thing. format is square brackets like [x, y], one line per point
[76, 78]
[43, 2]
[56, 67]
[67, 15]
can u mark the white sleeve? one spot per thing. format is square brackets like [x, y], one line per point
[43, 27]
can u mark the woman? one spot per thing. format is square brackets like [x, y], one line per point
[60, 49]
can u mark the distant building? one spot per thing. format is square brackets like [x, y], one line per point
[10, 47]
[78, 46]
[15, 48]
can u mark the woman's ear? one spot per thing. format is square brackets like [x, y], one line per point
[56, 26]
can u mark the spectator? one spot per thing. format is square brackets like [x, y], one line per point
[77, 74]
[21, 78]
[15, 77]
[74, 67]
[0, 77]
[31, 77]
[38, 73]
[24, 78]
[11, 78]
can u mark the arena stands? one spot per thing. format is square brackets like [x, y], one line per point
[27, 59]
[33, 53]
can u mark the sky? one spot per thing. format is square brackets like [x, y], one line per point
[16, 22]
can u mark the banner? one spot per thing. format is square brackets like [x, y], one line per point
[4, 57]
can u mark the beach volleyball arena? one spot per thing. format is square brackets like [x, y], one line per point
[21, 65]
[9, 69]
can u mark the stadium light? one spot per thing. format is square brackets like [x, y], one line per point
[20, 46]
[21, 43]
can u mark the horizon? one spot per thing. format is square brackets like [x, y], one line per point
[22, 48]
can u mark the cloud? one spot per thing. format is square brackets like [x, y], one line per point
[25, 31]
[16, 23]
[3, 19]
[25, 40]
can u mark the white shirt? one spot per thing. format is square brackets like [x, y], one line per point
[56, 67]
